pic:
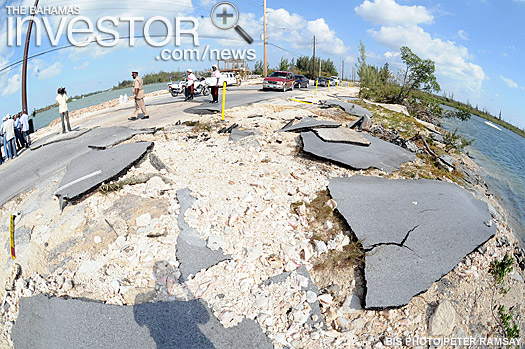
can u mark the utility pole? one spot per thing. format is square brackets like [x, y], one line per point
[24, 65]
[265, 69]
[343, 72]
[313, 75]
[320, 66]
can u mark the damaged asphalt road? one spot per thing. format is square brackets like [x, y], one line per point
[39, 166]
[86, 172]
[415, 232]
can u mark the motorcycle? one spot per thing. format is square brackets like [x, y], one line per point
[176, 88]
[200, 86]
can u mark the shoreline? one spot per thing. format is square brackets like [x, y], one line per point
[218, 185]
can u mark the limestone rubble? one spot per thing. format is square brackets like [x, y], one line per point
[120, 247]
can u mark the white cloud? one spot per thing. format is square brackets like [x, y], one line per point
[10, 85]
[509, 82]
[390, 54]
[82, 66]
[389, 13]
[208, 2]
[463, 34]
[51, 71]
[299, 32]
[452, 61]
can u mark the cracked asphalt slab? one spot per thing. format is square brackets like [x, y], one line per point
[341, 135]
[307, 124]
[190, 244]
[70, 323]
[86, 172]
[416, 231]
[350, 108]
[40, 165]
[379, 154]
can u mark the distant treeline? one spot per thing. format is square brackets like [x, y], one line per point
[68, 100]
[481, 113]
[153, 78]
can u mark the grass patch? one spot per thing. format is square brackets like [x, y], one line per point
[510, 327]
[199, 127]
[429, 169]
[326, 223]
[499, 269]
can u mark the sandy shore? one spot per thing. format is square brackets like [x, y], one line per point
[108, 247]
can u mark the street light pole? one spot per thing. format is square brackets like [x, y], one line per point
[24, 65]
[265, 68]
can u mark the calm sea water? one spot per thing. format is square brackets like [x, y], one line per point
[501, 156]
[43, 119]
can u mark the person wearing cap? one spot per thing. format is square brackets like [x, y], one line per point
[9, 131]
[189, 86]
[138, 95]
[18, 132]
[62, 108]
[215, 78]
[24, 119]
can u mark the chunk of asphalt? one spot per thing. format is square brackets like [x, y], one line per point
[316, 310]
[60, 137]
[192, 251]
[70, 323]
[228, 129]
[159, 164]
[86, 172]
[379, 154]
[236, 134]
[363, 123]
[307, 124]
[350, 108]
[109, 137]
[341, 135]
[448, 161]
[415, 230]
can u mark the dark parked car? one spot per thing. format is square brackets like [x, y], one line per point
[322, 81]
[301, 81]
[279, 80]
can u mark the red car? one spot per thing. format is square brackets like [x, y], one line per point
[279, 80]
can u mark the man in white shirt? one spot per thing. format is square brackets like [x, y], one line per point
[215, 80]
[189, 86]
[24, 119]
[62, 108]
[9, 130]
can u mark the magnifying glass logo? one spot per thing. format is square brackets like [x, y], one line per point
[225, 16]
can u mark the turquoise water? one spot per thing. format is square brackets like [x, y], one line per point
[501, 156]
[43, 119]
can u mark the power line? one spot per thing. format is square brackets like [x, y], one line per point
[17, 63]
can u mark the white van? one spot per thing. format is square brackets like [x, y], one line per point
[230, 78]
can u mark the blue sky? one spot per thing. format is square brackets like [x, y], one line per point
[478, 46]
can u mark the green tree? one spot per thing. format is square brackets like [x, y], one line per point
[418, 74]
[283, 64]
[259, 67]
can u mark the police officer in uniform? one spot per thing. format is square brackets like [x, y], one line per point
[190, 85]
[215, 80]
[138, 94]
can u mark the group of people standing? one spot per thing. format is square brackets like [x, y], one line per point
[138, 92]
[15, 135]
[214, 84]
